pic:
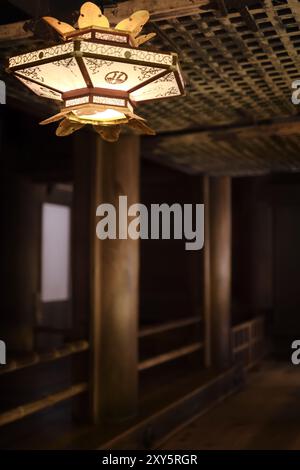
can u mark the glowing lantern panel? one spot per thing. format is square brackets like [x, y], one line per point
[99, 74]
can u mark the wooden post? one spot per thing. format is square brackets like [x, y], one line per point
[120, 274]
[206, 277]
[220, 271]
[85, 151]
[85, 160]
[106, 274]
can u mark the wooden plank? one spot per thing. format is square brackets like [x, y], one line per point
[39, 405]
[55, 355]
[163, 358]
[153, 330]
[173, 415]
[264, 416]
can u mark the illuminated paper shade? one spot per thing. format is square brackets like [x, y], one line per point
[99, 75]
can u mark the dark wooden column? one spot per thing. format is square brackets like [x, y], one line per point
[206, 275]
[83, 222]
[107, 275]
[115, 276]
[220, 270]
[85, 158]
[120, 275]
[2, 120]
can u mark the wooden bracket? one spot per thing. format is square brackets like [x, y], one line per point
[249, 20]
[222, 7]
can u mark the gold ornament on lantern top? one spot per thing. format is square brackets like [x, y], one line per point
[98, 74]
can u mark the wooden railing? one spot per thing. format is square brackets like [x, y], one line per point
[39, 405]
[69, 349]
[152, 330]
[248, 342]
[170, 356]
[27, 409]
[174, 354]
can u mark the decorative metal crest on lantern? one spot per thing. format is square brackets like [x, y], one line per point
[99, 73]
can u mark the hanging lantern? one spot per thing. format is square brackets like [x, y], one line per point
[99, 74]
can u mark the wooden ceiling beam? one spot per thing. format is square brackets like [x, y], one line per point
[14, 32]
[159, 10]
[282, 127]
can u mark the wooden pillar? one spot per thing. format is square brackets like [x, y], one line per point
[108, 270]
[83, 221]
[206, 276]
[120, 281]
[2, 120]
[85, 158]
[220, 270]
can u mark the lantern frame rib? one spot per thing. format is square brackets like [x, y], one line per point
[101, 68]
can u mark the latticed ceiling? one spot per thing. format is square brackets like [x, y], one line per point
[233, 73]
[239, 60]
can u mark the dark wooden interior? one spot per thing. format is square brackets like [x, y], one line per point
[152, 335]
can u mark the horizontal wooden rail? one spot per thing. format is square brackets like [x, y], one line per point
[40, 405]
[246, 338]
[54, 355]
[242, 326]
[241, 348]
[52, 330]
[248, 324]
[156, 329]
[170, 356]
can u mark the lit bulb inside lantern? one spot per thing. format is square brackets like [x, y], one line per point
[109, 116]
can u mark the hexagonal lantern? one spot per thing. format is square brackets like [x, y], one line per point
[99, 74]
